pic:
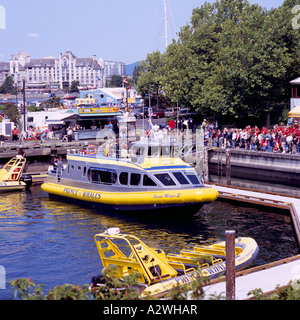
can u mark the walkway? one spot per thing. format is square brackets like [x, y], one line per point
[267, 280]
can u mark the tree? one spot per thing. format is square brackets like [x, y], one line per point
[8, 85]
[116, 81]
[233, 61]
[74, 86]
[54, 102]
[150, 80]
[11, 111]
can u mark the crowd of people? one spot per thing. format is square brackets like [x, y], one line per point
[33, 133]
[283, 139]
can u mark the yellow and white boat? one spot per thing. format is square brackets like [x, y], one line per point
[160, 272]
[11, 175]
[150, 176]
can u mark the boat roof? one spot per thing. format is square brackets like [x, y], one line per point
[149, 163]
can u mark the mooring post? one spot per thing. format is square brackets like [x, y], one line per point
[228, 168]
[230, 264]
[21, 150]
[205, 165]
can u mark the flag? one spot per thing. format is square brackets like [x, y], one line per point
[125, 81]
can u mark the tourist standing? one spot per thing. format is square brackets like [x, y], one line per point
[15, 134]
[70, 134]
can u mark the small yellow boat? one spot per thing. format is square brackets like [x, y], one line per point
[160, 272]
[11, 175]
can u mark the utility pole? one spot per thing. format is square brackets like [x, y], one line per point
[24, 108]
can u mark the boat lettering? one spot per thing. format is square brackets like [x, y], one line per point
[245, 256]
[84, 194]
[74, 192]
[187, 278]
[3, 184]
[216, 268]
[166, 195]
[93, 195]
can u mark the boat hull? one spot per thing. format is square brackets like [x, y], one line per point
[12, 186]
[250, 251]
[146, 200]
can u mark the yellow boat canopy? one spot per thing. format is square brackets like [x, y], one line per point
[295, 113]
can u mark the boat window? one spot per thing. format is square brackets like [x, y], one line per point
[108, 176]
[165, 179]
[135, 179]
[153, 151]
[193, 178]
[167, 150]
[180, 178]
[148, 182]
[99, 175]
[84, 171]
[94, 176]
[123, 178]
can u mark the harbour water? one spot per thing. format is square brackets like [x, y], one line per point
[52, 241]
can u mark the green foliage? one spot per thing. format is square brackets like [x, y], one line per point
[289, 292]
[8, 85]
[54, 102]
[116, 81]
[150, 74]
[11, 112]
[74, 86]
[26, 289]
[33, 108]
[233, 60]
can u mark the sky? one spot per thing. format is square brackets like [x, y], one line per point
[116, 30]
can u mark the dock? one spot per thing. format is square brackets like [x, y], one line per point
[269, 199]
[269, 276]
[266, 277]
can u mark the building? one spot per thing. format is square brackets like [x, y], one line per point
[112, 96]
[114, 68]
[52, 72]
[295, 93]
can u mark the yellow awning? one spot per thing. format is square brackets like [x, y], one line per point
[295, 113]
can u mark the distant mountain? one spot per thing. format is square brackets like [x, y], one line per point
[129, 68]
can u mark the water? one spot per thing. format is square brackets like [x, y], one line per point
[52, 241]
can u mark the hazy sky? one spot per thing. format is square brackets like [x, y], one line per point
[118, 30]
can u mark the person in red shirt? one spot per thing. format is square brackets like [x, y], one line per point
[15, 134]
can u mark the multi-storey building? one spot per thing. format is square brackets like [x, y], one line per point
[56, 72]
[114, 68]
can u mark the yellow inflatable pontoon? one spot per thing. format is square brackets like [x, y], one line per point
[160, 272]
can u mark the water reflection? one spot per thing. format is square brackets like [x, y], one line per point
[52, 241]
